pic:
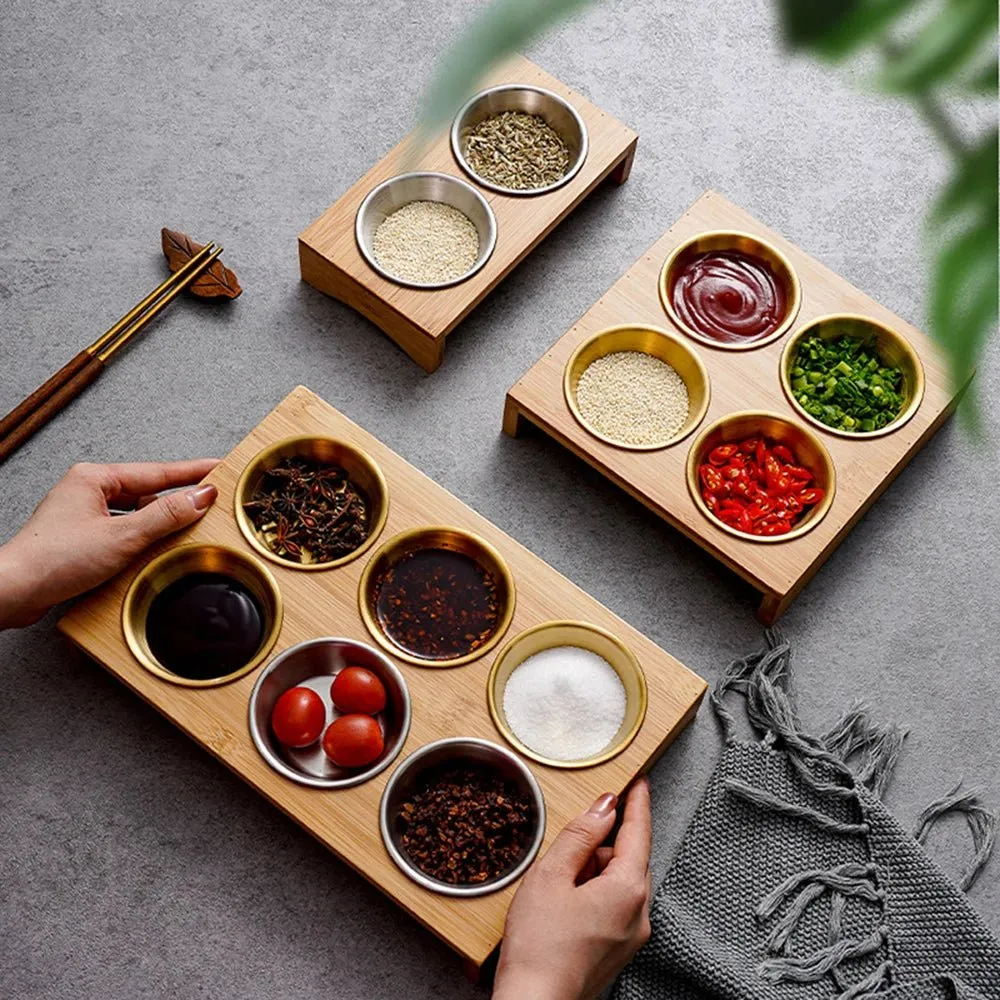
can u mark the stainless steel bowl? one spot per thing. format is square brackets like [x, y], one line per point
[558, 113]
[398, 191]
[457, 750]
[314, 664]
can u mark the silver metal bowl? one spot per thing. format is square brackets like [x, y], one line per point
[558, 113]
[457, 750]
[314, 664]
[398, 191]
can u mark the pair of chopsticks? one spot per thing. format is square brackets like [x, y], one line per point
[52, 396]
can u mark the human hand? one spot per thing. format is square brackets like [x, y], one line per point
[582, 910]
[72, 542]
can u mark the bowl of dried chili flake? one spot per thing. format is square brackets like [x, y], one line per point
[312, 503]
[462, 817]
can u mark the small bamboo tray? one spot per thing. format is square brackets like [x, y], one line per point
[420, 320]
[739, 380]
[445, 702]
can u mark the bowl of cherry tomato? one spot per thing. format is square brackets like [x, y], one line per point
[761, 477]
[330, 713]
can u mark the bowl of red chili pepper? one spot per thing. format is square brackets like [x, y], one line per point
[761, 477]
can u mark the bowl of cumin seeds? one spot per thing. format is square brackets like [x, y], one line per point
[518, 139]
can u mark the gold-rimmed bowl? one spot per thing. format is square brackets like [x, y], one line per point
[657, 343]
[434, 537]
[558, 113]
[185, 560]
[809, 452]
[892, 348]
[731, 239]
[597, 640]
[360, 468]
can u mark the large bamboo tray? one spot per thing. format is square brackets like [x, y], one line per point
[449, 702]
[420, 320]
[740, 380]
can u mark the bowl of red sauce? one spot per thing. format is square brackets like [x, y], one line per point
[730, 290]
[760, 476]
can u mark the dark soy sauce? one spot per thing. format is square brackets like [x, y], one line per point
[204, 626]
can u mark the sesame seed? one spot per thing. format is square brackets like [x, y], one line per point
[426, 242]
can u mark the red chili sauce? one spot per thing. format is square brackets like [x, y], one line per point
[729, 296]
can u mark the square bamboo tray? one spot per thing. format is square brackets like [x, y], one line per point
[446, 702]
[420, 320]
[740, 380]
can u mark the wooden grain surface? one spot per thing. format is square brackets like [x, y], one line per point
[445, 702]
[420, 320]
[740, 380]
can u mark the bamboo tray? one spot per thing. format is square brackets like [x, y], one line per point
[420, 320]
[739, 380]
[446, 702]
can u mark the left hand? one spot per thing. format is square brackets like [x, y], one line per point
[73, 543]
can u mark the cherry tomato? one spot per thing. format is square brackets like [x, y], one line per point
[356, 689]
[353, 740]
[297, 717]
[722, 454]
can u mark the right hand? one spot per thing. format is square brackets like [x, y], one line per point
[582, 911]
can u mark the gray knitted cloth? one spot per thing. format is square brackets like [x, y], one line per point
[794, 882]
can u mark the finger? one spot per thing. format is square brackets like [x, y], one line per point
[137, 479]
[579, 839]
[603, 857]
[635, 837]
[168, 514]
[146, 501]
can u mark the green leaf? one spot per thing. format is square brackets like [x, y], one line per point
[502, 28]
[966, 281]
[944, 46]
[835, 30]
[984, 81]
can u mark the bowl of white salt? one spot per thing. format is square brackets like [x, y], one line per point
[567, 694]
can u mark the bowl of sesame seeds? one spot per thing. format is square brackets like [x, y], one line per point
[425, 230]
[636, 387]
[518, 139]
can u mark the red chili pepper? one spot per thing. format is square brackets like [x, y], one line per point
[711, 500]
[749, 446]
[798, 472]
[780, 451]
[722, 454]
[810, 496]
[711, 478]
[779, 527]
[760, 452]
[732, 472]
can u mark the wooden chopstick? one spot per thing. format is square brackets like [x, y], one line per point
[27, 406]
[96, 356]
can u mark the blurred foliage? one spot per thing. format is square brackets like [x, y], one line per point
[929, 49]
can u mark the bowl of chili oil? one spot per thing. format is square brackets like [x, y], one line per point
[363, 476]
[437, 596]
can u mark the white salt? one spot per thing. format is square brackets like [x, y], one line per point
[566, 703]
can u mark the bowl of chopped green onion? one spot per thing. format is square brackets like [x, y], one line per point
[852, 376]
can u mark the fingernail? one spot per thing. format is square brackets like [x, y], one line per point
[604, 805]
[203, 496]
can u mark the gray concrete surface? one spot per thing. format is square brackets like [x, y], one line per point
[133, 865]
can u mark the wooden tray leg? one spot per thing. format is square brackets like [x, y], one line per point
[513, 423]
[772, 607]
[624, 166]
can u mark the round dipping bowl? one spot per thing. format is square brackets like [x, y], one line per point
[559, 114]
[650, 340]
[398, 191]
[457, 750]
[185, 560]
[742, 243]
[891, 347]
[314, 664]
[806, 446]
[568, 633]
[360, 468]
[436, 537]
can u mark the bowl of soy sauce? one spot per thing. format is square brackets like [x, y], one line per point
[200, 615]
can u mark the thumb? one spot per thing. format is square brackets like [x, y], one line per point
[580, 838]
[170, 513]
